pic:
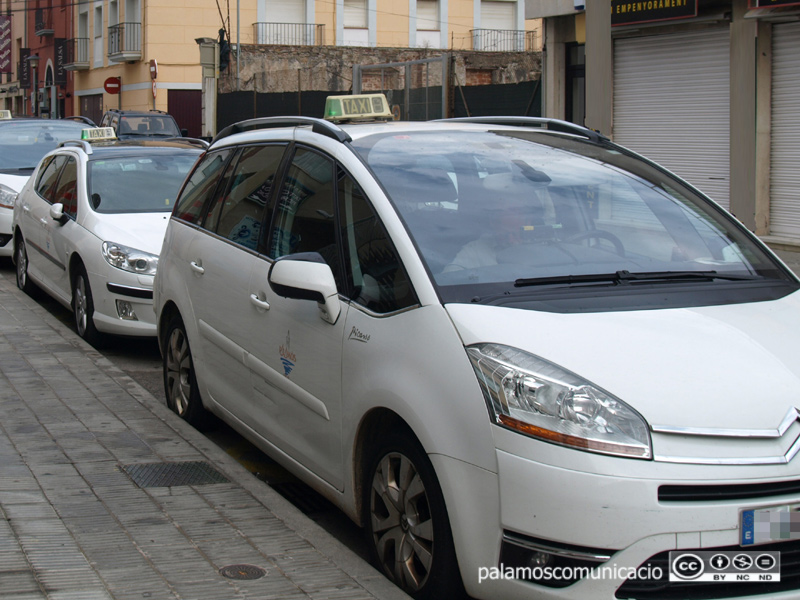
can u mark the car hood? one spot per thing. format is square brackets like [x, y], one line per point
[719, 367]
[143, 231]
[15, 182]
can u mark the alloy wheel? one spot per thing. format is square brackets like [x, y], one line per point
[178, 361]
[401, 521]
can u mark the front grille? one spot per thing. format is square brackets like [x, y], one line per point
[705, 493]
[663, 589]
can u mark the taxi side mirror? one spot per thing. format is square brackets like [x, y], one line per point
[306, 276]
[57, 213]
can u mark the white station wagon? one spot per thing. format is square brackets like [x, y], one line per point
[89, 223]
[527, 360]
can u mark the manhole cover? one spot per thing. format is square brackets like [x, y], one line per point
[173, 474]
[242, 572]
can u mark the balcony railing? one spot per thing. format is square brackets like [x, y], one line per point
[76, 57]
[503, 40]
[43, 22]
[292, 34]
[125, 42]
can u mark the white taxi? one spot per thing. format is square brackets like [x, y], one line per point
[528, 361]
[89, 223]
[23, 143]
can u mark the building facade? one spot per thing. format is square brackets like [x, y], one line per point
[32, 39]
[708, 88]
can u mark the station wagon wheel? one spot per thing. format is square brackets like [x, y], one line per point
[407, 523]
[83, 307]
[21, 258]
[180, 383]
[599, 234]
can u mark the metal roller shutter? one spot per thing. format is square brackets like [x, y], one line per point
[785, 152]
[672, 104]
[286, 11]
[497, 15]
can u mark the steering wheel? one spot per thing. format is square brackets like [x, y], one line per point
[598, 234]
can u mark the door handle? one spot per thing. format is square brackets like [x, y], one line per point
[259, 304]
[197, 268]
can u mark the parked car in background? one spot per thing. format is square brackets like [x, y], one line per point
[128, 124]
[527, 360]
[23, 143]
[89, 224]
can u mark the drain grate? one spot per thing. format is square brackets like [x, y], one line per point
[173, 474]
[242, 572]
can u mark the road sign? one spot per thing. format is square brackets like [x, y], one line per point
[112, 85]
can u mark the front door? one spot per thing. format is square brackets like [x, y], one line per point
[297, 356]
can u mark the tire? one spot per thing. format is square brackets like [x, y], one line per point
[180, 382]
[83, 307]
[406, 515]
[21, 258]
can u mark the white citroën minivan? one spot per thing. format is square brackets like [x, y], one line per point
[527, 360]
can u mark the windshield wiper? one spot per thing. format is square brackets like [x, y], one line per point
[623, 277]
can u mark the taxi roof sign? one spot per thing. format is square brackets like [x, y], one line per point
[357, 107]
[5, 114]
[98, 133]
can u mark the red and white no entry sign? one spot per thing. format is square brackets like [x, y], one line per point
[112, 85]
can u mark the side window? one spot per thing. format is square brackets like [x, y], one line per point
[304, 216]
[375, 276]
[66, 193]
[48, 177]
[201, 184]
[238, 213]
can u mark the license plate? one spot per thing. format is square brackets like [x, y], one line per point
[769, 524]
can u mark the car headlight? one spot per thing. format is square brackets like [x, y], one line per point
[130, 259]
[7, 196]
[533, 396]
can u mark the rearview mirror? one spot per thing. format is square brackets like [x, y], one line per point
[57, 213]
[306, 276]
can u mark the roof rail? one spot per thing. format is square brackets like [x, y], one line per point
[317, 126]
[189, 141]
[540, 122]
[86, 146]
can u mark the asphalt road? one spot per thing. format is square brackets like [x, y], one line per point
[141, 360]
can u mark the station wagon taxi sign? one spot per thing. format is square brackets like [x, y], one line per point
[5, 114]
[358, 107]
[98, 133]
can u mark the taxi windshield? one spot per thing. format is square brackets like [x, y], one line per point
[527, 207]
[24, 142]
[136, 184]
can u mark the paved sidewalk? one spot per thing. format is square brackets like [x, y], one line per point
[75, 431]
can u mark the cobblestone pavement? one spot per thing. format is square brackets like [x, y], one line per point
[105, 494]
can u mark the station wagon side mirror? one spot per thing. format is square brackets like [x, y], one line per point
[306, 276]
[57, 213]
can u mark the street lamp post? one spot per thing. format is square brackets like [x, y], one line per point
[33, 61]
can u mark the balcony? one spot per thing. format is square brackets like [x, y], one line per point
[76, 57]
[125, 42]
[289, 34]
[43, 22]
[503, 40]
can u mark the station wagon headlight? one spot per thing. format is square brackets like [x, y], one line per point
[533, 396]
[7, 196]
[130, 259]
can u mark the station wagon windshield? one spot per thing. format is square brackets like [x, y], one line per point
[144, 183]
[496, 212]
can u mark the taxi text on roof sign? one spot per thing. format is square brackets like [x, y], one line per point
[5, 114]
[361, 107]
[98, 133]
